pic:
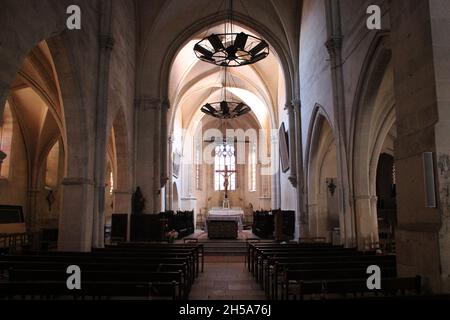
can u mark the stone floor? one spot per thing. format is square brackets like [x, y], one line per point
[225, 280]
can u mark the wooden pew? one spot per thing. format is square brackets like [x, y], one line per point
[107, 290]
[84, 258]
[262, 255]
[198, 248]
[389, 286]
[165, 264]
[291, 277]
[254, 248]
[7, 266]
[273, 276]
[104, 276]
[190, 254]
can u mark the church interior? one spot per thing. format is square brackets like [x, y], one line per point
[224, 149]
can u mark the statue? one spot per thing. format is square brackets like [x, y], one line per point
[138, 202]
[50, 198]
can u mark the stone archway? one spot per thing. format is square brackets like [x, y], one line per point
[155, 101]
[373, 118]
[77, 182]
[322, 180]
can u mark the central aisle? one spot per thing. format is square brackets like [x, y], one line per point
[225, 281]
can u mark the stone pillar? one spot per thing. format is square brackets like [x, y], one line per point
[101, 134]
[148, 164]
[334, 47]
[76, 219]
[420, 48]
[292, 144]
[366, 220]
[164, 175]
[169, 197]
[302, 210]
[275, 163]
[440, 20]
[32, 218]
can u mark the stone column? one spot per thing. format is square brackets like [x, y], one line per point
[101, 134]
[32, 209]
[420, 50]
[169, 198]
[302, 210]
[76, 219]
[148, 152]
[292, 144]
[440, 20]
[366, 220]
[164, 175]
[334, 47]
[275, 163]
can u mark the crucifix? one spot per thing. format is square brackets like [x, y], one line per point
[226, 174]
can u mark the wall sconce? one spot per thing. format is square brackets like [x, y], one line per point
[331, 186]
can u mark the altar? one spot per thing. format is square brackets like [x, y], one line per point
[226, 212]
[226, 215]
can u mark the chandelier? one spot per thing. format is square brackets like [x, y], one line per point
[230, 49]
[226, 109]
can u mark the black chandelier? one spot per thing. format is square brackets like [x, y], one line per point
[226, 109]
[231, 49]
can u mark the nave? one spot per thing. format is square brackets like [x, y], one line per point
[290, 126]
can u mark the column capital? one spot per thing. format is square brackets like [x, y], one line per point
[106, 41]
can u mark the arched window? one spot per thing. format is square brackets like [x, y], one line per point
[252, 168]
[224, 165]
[6, 135]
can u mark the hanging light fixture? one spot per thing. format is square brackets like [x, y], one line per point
[230, 49]
[226, 109]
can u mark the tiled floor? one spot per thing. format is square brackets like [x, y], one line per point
[225, 281]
